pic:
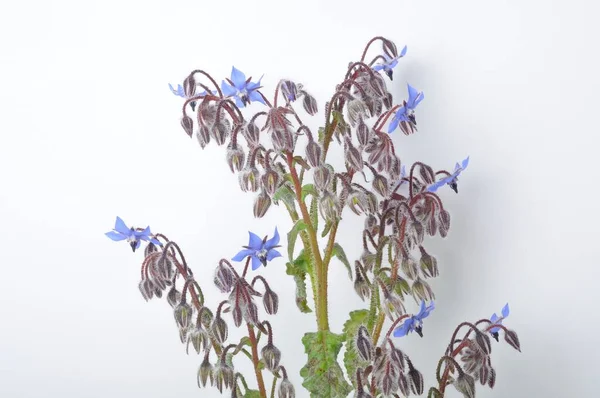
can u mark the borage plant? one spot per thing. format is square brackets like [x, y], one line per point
[284, 162]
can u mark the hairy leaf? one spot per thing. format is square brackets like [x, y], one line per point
[351, 358]
[308, 189]
[252, 394]
[323, 376]
[314, 213]
[293, 235]
[338, 252]
[285, 195]
[327, 228]
[298, 269]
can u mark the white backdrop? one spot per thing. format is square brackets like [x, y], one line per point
[90, 131]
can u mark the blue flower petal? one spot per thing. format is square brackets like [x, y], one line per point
[494, 318]
[406, 327]
[271, 254]
[378, 67]
[464, 165]
[255, 242]
[403, 52]
[394, 123]
[121, 227]
[505, 310]
[239, 102]
[255, 263]
[156, 242]
[256, 97]
[243, 254]
[115, 236]
[274, 241]
[238, 78]
[228, 90]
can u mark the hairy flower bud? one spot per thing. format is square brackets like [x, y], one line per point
[352, 156]
[388, 101]
[372, 224]
[374, 106]
[205, 372]
[219, 329]
[188, 125]
[261, 204]
[189, 86]
[361, 286]
[510, 336]
[363, 344]
[322, 178]
[357, 201]
[235, 157]
[249, 179]
[203, 136]
[356, 111]
[286, 389]
[409, 267]
[250, 313]
[310, 104]
[428, 264]
[465, 384]
[283, 139]
[381, 185]
[483, 342]
[415, 380]
[224, 278]
[289, 90]
[223, 375]
[183, 314]
[146, 288]
[444, 222]
[173, 297]
[378, 85]
[271, 356]
[270, 181]
[220, 131]
[270, 302]
[368, 259]
[199, 339]
[313, 153]
[251, 133]
[329, 206]
[403, 384]
[422, 291]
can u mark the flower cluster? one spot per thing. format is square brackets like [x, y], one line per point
[281, 161]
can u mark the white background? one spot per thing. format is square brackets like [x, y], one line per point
[90, 130]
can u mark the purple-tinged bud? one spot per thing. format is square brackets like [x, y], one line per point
[381, 185]
[237, 315]
[271, 302]
[403, 384]
[205, 372]
[250, 313]
[371, 203]
[283, 140]
[146, 288]
[223, 375]
[189, 86]
[396, 356]
[368, 259]
[472, 357]
[352, 157]
[173, 297]
[224, 278]
[356, 111]
[428, 264]
[249, 179]
[392, 305]
[183, 314]
[417, 232]
[364, 345]
[289, 90]
[188, 125]
[492, 378]
[395, 170]
[203, 136]
[322, 178]
[329, 206]
[252, 134]
[235, 157]
[484, 374]
[465, 384]
[415, 380]
[220, 131]
[199, 339]
[444, 221]
[313, 153]
[357, 201]
[270, 181]
[483, 342]
[510, 336]
[422, 291]
[363, 133]
[374, 105]
[206, 318]
[270, 356]
[378, 85]
[361, 286]
[371, 224]
[286, 389]
[261, 204]
[219, 329]
[409, 268]
[388, 101]
[310, 104]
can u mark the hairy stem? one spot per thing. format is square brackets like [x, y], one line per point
[255, 360]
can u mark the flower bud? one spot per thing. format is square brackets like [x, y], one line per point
[396, 356]
[271, 302]
[374, 106]
[352, 156]
[403, 384]
[183, 314]
[235, 157]
[378, 85]
[271, 356]
[444, 221]
[310, 104]
[252, 134]
[356, 110]
[465, 384]
[249, 179]
[286, 389]
[329, 207]
[371, 224]
[188, 125]
[415, 380]
[199, 339]
[409, 267]
[205, 372]
[510, 336]
[363, 343]
[289, 90]
[146, 288]
[363, 133]
[219, 329]
[313, 153]
[392, 305]
[371, 203]
[428, 264]
[368, 259]
[173, 297]
[422, 291]
[381, 185]
[322, 178]
[189, 86]
[250, 313]
[224, 278]
[220, 131]
[261, 204]
[270, 181]
[223, 375]
[206, 318]
[357, 201]
[483, 342]
[203, 136]
[388, 101]
[237, 315]
[361, 286]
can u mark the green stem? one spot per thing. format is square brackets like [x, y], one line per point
[255, 360]
[273, 386]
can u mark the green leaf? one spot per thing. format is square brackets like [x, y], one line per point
[308, 189]
[285, 195]
[293, 235]
[341, 255]
[323, 376]
[328, 225]
[352, 360]
[252, 394]
[298, 269]
[314, 213]
[300, 160]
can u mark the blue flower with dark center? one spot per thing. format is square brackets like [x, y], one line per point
[180, 92]
[495, 319]
[405, 115]
[133, 236]
[260, 250]
[452, 179]
[390, 63]
[241, 89]
[415, 322]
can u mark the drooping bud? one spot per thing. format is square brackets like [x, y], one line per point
[381, 185]
[483, 342]
[203, 136]
[313, 153]
[173, 297]
[417, 232]
[235, 157]
[357, 201]
[444, 222]
[371, 203]
[356, 110]
[224, 278]
[188, 125]
[371, 224]
[270, 302]
[403, 384]
[199, 339]
[361, 286]
[363, 343]
[261, 204]
[146, 288]
[409, 267]
[189, 86]
[428, 264]
[415, 379]
[249, 179]
[220, 131]
[352, 156]
[205, 372]
[388, 101]
[286, 389]
[270, 181]
[289, 90]
[378, 85]
[250, 313]
[368, 259]
[329, 206]
[310, 104]
[183, 314]
[322, 178]
[224, 376]
[465, 384]
[237, 315]
[252, 134]
[510, 336]
[271, 356]
[219, 329]
[422, 291]
[363, 133]
[396, 356]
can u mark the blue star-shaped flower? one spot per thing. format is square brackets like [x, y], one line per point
[133, 236]
[452, 179]
[405, 115]
[243, 91]
[415, 322]
[495, 319]
[180, 92]
[390, 63]
[260, 250]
